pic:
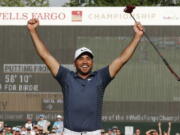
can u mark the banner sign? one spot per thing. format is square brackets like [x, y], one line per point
[91, 16]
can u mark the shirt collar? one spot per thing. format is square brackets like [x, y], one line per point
[91, 75]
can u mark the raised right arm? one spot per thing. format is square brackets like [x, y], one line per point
[169, 128]
[159, 128]
[41, 49]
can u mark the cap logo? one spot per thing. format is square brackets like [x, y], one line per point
[81, 51]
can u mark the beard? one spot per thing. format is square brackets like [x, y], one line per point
[83, 73]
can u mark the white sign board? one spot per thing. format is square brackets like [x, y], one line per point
[91, 16]
[129, 130]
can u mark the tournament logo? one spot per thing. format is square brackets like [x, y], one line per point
[76, 16]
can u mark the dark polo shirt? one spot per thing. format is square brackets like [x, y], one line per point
[83, 98]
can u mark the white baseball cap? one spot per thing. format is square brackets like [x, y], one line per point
[59, 116]
[82, 50]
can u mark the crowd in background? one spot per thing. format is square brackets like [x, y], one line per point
[116, 131]
[41, 127]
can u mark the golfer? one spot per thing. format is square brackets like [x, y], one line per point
[83, 90]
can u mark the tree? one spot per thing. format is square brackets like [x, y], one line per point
[11, 3]
[22, 3]
[73, 3]
[102, 3]
[116, 2]
[33, 3]
[170, 2]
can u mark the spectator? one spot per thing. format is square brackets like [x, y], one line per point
[137, 131]
[109, 131]
[41, 132]
[8, 130]
[102, 132]
[23, 131]
[58, 125]
[114, 130]
[118, 132]
[152, 132]
[164, 133]
[1, 130]
[29, 124]
[30, 131]
[17, 131]
[53, 132]
[43, 124]
[35, 129]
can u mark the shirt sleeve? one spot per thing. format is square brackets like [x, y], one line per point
[105, 76]
[61, 75]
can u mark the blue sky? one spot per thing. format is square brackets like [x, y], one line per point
[57, 2]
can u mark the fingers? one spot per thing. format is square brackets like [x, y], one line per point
[139, 26]
[33, 21]
[138, 29]
[32, 24]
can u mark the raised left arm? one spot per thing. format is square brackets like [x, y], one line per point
[118, 63]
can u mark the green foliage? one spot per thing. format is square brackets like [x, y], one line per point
[11, 3]
[73, 3]
[34, 3]
[114, 3]
[22, 3]
[170, 3]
